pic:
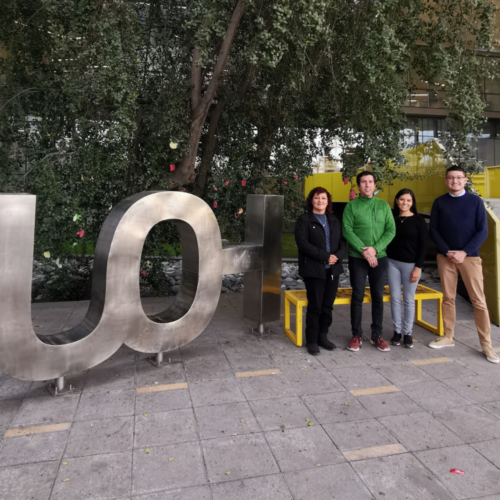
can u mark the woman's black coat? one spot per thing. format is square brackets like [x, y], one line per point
[311, 241]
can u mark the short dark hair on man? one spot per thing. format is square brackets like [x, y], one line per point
[362, 174]
[455, 168]
[319, 190]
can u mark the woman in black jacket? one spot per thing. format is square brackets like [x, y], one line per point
[322, 247]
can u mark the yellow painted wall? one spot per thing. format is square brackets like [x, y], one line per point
[491, 266]
[492, 182]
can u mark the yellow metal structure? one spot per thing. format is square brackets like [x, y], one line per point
[492, 182]
[490, 253]
[299, 299]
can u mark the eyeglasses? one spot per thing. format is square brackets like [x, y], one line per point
[455, 178]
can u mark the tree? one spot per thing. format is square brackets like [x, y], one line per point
[101, 99]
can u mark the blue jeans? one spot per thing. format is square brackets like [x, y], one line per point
[399, 273]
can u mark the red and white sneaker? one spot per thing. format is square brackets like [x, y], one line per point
[355, 344]
[379, 343]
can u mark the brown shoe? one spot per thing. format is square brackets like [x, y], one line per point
[490, 354]
[441, 342]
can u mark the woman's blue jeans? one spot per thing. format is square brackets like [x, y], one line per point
[399, 273]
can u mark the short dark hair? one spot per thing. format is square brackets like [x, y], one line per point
[362, 174]
[455, 168]
[319, 190]
[401, 192]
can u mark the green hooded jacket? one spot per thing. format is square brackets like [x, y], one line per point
[368, 222]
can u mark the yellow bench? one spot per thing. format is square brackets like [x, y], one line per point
[299, 298]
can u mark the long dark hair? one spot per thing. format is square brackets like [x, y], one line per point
[319, 190]
[401, 192]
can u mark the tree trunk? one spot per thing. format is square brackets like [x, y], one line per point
[200, 105]
[211, 137]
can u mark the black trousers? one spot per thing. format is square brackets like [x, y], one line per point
[321, 293]
[359, 269]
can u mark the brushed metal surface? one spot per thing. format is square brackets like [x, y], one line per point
[115, 314]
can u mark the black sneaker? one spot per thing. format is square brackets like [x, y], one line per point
[408, 341]
[312, 349]
[396, 339]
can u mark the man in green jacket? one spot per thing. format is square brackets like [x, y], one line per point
[368, 227]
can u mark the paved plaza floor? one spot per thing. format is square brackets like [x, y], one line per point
[238, 417]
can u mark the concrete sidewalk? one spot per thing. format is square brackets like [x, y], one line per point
[236, 417]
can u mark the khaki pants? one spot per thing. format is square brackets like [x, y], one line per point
[471, 271]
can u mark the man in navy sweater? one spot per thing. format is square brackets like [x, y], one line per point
[459, 228]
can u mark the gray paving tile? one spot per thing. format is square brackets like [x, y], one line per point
[213, 392]
[105, 404]
[207, 369]
[158, 429]
[420, 431]
[402, 373]
[191, 352]
[11, 388]
[110, 379]
[471, 423]
[153, 402]
[34, 448]
[27, 482]
[154, 471]
[265, 386]
[490, 450]
[321, 483]
[359, 434]
[392, 403]
[194, 493]
[359, 377]
[477, 363]
[94, 437]
[476, 388]
[400, 476]
[311, 380]
[46, 410]
[99, 477]
[302, 448]
[492, 408]
[271, 414]
[481, 477]
[8, 409]
[241, 456]
[442, 371]
[243, 361]
[224, 420]
[262, 488]
[372, 356]
[148, 375]
[335, 407]
[433, 396]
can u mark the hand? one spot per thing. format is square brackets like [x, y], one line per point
[456, 256]
[372, 261]
[415, 275]
[369, 252]
[333, 260]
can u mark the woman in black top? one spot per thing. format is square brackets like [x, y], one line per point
[406, 255]
[322, 247]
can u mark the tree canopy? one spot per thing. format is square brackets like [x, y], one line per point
[101, 99]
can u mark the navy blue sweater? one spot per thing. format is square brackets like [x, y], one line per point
[459, 224]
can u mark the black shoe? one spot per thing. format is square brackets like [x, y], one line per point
[312, 349]
[396, 339]
[326, 344]
[408, 341]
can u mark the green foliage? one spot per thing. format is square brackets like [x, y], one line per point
[96, 100]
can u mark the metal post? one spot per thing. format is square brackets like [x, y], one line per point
[156, 360]
[260, 328]
[58, 388]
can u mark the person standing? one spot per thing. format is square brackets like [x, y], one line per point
[321, 249]
[406, 253]
[459, 228]
[368, 227]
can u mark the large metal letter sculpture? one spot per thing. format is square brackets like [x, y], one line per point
[115, 314]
